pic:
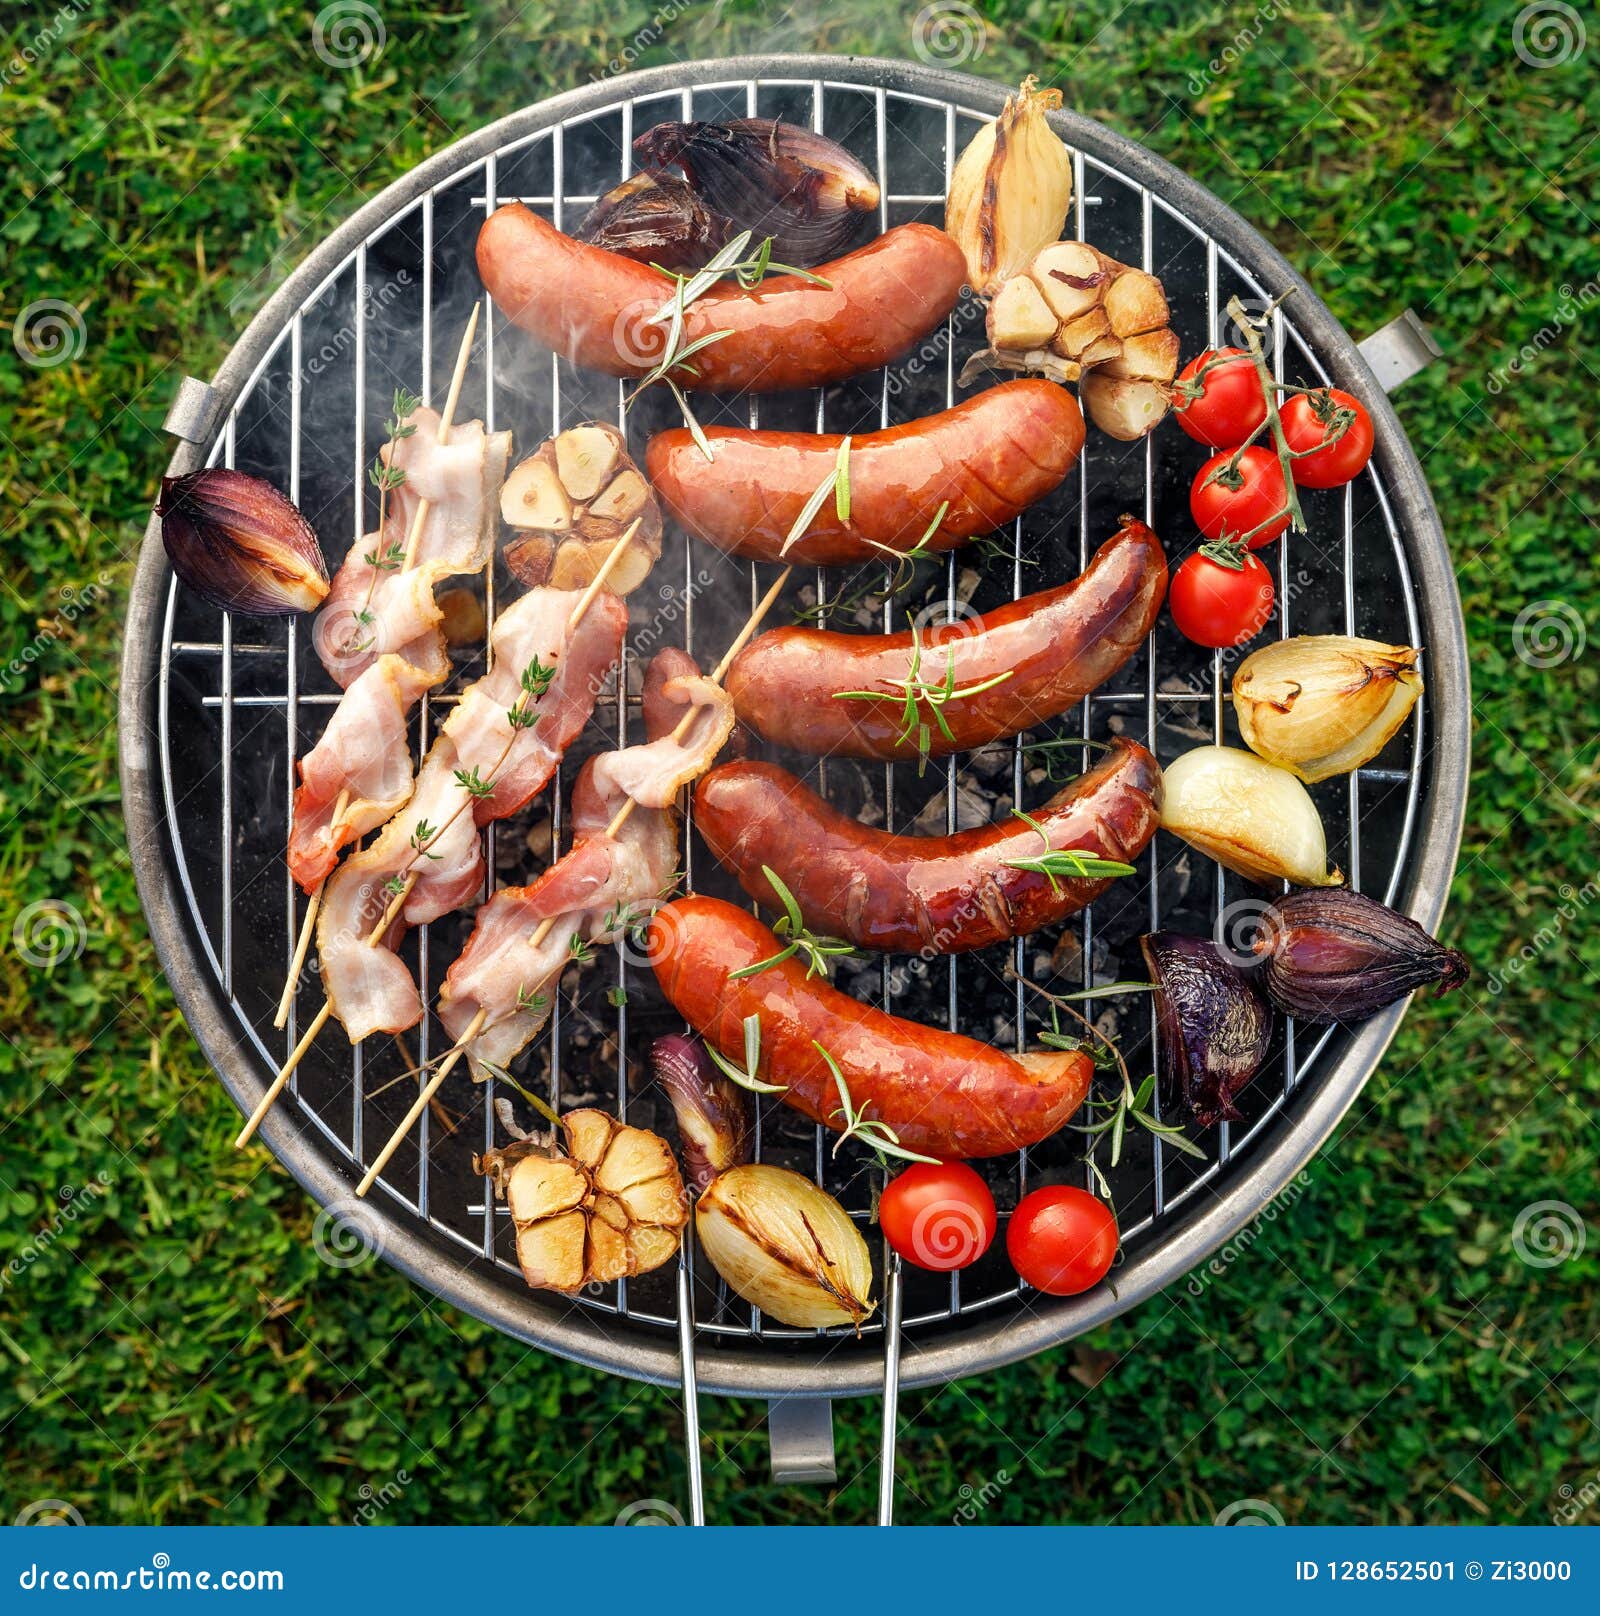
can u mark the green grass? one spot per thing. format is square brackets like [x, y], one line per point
[177, 1352]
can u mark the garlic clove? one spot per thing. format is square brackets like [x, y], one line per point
[1342, 956]
[1071, 277]
[1324, 704]
[1019, 317]
[1250, 816]
[1076, 337]
[1126, 410]
[1135, 302]
[1149, 356]
[240, 544]
[786, 1247]
[1010, 189]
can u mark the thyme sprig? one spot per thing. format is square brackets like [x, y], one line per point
[914, 692]
[877, 1136]
[1075, 863]
[391, 556]
[1047, 751]
[745, 1076]
[816, 950]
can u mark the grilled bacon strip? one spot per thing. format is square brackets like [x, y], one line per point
[368, 987]
[604, 884]
[461, 478]
[364, 750]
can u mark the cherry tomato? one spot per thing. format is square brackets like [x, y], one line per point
[938, 1216]
[1219, 605]
[1308, 418]
[1229, 405]
[1233, 503]
[1062, 1240]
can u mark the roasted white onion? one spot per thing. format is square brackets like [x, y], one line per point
[1010, 189]
[1250, 816]
[1324, 704]
[785, 1246]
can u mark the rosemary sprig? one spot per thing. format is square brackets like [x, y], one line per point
[1048, 749]
[877, 1136]
[1074, 863]
[914, 692]
[814, 949]
[898, 581]
[748, 271]
[1129, 1104]
[745, 1076]
[835, 485]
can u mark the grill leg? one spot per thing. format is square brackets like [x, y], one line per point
[800, 1434]
[691, 1387]
[894, 1306]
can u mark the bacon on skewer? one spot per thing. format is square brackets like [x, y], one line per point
[482, 766]
[604, 885]
[377, 606]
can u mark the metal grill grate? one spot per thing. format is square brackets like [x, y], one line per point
[236, 704]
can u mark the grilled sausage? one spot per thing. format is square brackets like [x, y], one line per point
[944, 1095]
[595, 306]
[1047, 650]
[927, 894]
[989, 459]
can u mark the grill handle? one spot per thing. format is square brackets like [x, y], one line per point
[1398, 350]
[800, 1437]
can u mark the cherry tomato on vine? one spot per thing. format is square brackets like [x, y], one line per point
[1232, 501]
[1224, 406]
[938, 1215]
[1309, 418]
[1062, 1240]
[1219, 603]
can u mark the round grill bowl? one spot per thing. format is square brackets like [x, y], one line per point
[214, 710]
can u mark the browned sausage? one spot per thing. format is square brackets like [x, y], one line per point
[595, 306]
[989, 458]
[944, 1095]
[927, 894]
[1047, 650]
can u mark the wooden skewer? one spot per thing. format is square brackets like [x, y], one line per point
[424, 506]
[275, 1088]
[308, 926]
[619, 819]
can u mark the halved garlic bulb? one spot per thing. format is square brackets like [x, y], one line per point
[785, 1246]
[1324, 704]
[611, 1207]
[1250, 816]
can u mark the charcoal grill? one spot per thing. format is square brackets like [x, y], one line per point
[214, 712]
